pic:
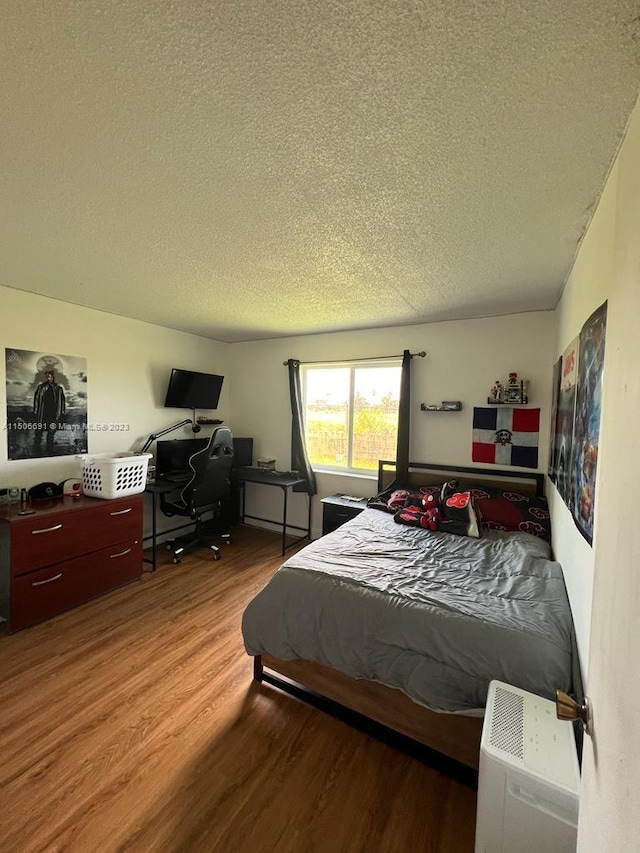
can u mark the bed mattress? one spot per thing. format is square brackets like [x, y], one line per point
[435, 615]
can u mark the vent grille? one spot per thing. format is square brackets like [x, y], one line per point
[507, 723]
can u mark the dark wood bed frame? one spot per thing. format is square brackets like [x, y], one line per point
[453, 735]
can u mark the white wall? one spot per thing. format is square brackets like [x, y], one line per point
[464, 358]
[609, 814]
[128, 367]
[588, 286]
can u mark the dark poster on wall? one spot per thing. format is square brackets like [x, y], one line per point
[586, 429]
[553, 439]
[564, 417]
[46, 404]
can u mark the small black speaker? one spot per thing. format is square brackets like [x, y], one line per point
[45, 490]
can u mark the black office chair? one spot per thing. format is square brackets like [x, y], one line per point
[205, 492]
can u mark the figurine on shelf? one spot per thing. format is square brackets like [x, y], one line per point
[515, 391]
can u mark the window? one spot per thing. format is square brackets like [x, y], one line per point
[351, 414]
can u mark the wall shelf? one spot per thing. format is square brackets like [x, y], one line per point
[445, 406]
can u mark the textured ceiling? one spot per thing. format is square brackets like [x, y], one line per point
[243, 169]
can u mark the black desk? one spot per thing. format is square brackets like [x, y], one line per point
[285, 481]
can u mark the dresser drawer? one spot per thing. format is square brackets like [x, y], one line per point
[43, 593]
[43, 540]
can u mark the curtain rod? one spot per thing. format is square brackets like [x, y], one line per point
[421, 354]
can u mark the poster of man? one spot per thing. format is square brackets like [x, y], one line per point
[46, 404]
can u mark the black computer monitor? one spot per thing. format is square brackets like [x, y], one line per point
[242, 452]
[173, 455]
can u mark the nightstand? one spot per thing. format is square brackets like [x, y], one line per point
[336, 509]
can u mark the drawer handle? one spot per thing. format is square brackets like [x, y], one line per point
[121, 511]
[47, 529]
[49, 580]
[121, 554]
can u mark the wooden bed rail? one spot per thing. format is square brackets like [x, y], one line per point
[453, 740]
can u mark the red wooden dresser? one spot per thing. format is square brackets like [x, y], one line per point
[68, 551]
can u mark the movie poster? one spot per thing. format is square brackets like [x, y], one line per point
[586, 429]
[564, 418]
[553, 439]
[46, 404]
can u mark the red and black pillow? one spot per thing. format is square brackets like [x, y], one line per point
[487, 507]
[459, 514]
[503, 509]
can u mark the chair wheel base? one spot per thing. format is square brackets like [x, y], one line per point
[179, 550]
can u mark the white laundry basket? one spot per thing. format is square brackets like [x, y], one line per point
[114, 475]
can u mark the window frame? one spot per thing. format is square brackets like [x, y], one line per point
[353, 365]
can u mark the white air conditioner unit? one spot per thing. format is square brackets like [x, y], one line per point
[529, 780]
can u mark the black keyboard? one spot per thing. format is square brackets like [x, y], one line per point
[175, 476]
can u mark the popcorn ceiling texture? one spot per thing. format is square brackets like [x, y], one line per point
[245, 170]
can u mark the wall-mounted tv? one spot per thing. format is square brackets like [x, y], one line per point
[191, 390]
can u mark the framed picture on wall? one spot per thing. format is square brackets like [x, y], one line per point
[564, 418]
[586, 429]
[553, 439]
[46, 404]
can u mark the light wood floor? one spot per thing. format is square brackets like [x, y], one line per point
[132, 724]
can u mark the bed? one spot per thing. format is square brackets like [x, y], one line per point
[408, 625]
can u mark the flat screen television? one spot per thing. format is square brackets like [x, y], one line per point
[191, 390]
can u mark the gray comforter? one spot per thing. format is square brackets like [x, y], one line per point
[435, 615]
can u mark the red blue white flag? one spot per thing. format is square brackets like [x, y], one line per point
[503, 435]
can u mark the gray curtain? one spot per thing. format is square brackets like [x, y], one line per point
[404, 421]
[299, 456]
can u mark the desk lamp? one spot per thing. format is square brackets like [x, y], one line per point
[155, 435]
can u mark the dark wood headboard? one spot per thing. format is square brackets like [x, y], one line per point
[423, 474]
